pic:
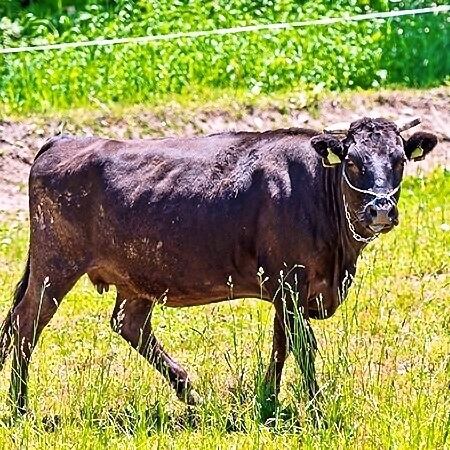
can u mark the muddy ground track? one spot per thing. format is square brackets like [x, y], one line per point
[21, 139]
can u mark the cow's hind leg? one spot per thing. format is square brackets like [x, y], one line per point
[40, 301]
[131, 319]
[6, 328]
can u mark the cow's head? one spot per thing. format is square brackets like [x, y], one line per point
[371, 158]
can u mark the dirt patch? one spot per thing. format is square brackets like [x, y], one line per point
[20, 140]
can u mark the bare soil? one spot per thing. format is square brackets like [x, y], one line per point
[21, 139]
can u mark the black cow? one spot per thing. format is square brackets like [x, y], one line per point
[179, 218]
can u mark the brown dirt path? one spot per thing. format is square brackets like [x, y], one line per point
[21, 139]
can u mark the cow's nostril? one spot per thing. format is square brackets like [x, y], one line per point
[373, 212]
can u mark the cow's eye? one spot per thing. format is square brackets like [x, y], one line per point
[399, 164]
[352, 166]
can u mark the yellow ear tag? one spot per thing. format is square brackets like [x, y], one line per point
[417, 153]
[333, 158]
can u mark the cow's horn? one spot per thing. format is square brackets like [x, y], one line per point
[337, 128]
[403, 125]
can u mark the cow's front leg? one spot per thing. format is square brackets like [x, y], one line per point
[278, 357]
[131, 319]
[293, 332]
[304, 348]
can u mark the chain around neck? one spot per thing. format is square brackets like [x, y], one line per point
[351, 227]
[377, 195]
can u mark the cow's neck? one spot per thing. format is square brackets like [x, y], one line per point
[349, 247]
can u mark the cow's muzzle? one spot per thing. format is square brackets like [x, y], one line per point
[381, 215]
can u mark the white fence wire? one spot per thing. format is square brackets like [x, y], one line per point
[139, 40]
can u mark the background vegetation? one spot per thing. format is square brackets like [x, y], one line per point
[384, 360]
[408, 51]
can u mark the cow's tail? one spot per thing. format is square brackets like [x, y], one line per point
[6, 328]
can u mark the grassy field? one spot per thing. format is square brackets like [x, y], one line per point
[384, 358]
[405, 51]
[384, 361]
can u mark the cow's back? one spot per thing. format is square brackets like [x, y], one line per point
[208, 167]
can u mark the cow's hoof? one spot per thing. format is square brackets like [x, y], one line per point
[51, 423]
[21, 413]
[192, 398]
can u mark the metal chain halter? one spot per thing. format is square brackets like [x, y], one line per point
[377, 195]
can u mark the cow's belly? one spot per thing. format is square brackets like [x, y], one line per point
[185, 301]
[171, 287]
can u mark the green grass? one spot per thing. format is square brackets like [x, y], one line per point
[384, 358]
[407, 51]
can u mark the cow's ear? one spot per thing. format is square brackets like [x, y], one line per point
[329, 148]
[419, 144]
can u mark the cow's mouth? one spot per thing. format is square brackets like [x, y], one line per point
[384, 225]
[381, 228]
